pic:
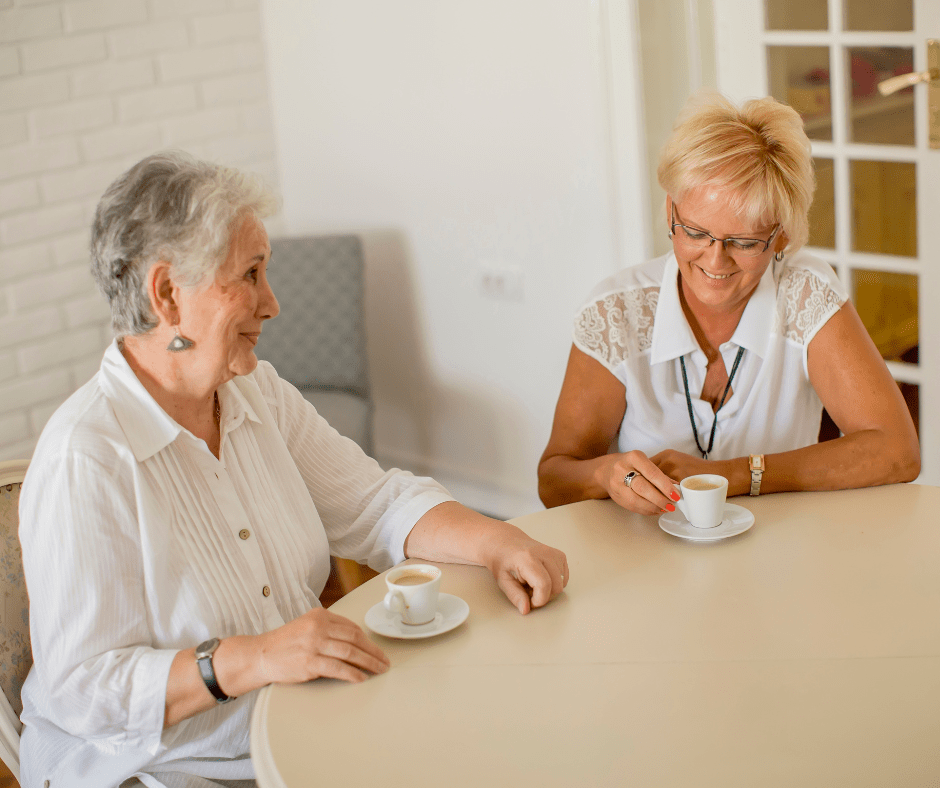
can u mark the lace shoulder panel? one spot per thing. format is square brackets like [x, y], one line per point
[617, 325]
[805, 302]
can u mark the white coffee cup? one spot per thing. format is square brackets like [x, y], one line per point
[703, 499]
[413, 592]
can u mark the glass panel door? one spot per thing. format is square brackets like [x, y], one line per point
[877, 196]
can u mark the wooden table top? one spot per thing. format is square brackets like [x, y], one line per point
[805, 651]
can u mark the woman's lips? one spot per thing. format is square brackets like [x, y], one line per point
[715, 277]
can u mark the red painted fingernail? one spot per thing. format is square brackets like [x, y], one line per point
[675, 496]
[670, 507]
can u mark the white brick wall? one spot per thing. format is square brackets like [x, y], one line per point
[88, 87]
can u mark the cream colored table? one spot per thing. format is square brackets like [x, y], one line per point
[804, 652]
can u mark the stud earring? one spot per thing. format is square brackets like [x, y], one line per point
[778, 257]
[179, 342]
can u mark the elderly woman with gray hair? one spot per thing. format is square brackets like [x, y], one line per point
[180, 510]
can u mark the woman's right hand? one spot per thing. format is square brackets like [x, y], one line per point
[650, 492]
[318, 644]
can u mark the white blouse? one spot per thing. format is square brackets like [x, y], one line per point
[138, 542]
[634, 325]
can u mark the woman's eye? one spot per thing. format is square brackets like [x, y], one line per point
[744, 244]
[252, 275]
[694, 234]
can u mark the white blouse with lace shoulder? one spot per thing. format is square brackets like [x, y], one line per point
[633, 324]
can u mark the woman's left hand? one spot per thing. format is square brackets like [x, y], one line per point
[677, 465]
[530, 573]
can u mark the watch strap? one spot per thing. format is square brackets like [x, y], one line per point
[756, 463]
[204, 652]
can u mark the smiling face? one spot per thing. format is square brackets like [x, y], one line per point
[224, 317]
[715, 278]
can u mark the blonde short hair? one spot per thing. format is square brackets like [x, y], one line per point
[758, 152]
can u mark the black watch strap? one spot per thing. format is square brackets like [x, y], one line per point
[204, 652]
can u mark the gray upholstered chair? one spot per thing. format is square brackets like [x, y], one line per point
[318, 341]
[16, 657]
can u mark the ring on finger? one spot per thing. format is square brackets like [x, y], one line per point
[629, 479]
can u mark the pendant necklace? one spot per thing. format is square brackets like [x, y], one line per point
[688, 400]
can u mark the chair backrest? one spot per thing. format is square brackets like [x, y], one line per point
[319, 339]
[16, 657]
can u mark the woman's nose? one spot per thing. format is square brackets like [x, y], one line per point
[268, 306]
[717, 254]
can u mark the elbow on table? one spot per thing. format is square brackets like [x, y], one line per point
[903, 463]
[909, 467]
[550, 492]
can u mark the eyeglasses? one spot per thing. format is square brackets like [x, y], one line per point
[695, 238]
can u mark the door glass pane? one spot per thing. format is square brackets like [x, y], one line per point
[797, 15]
[822, 213]
[884, 207]
[799, 76]
[879, 14]
[887, 304]
[875, 118]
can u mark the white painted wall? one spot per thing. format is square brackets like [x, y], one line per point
[457, 135]
[87, 88]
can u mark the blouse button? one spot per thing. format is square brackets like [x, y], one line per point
[45, 784]
[266, 591]
[244, 533]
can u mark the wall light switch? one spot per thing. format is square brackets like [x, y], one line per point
[502, 283]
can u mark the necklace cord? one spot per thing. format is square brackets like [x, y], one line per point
[688, 401]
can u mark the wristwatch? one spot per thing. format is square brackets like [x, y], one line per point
[204, 652]
[756, 462]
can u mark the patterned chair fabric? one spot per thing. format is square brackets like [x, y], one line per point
[15, 655]
[318, 341]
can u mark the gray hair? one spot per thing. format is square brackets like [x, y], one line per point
[171, 207]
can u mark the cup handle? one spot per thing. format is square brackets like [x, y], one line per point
[681, 503]
[395, 602]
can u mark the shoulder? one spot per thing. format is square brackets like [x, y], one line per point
[84, 426]
[808, 294]
[81, 460]
[616, 321]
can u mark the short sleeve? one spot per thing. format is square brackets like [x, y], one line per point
[808, 295]
[616, 325]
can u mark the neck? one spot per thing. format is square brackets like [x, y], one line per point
[170, 379]
[711, 327]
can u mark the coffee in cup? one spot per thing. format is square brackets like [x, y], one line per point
[415, 579]
[413, 593]
[703, 499]
[698, 483]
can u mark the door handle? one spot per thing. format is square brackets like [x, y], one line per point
[932, 77]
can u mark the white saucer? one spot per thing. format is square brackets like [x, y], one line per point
[736, 521]
[452, 611]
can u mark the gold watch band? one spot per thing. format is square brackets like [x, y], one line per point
[756, 462]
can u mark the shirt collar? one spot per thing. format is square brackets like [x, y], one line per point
[673, 337]
[146, 425]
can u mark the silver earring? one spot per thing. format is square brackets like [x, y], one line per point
[179, 342]
[778, 257]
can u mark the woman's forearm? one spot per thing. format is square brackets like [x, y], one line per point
[235, 665]
[564, 479]
[863, 459]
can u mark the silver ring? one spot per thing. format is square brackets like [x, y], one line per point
[628, 479]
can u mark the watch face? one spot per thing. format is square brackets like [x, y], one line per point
[207, 649]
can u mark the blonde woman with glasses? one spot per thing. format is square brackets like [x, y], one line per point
[720, 356]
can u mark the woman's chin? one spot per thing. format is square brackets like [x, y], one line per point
[245, 364]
